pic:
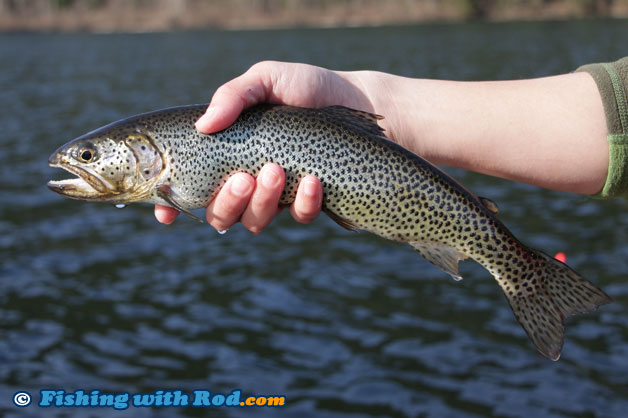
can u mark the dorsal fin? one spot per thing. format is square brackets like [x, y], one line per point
[356, 119]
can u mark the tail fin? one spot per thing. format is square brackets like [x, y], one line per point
[542, 305]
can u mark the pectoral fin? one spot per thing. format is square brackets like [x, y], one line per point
[442, 256]
[165, 192]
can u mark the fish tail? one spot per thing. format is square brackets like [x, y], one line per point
[544, 295]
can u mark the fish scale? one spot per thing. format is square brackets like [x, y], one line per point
[369, 183]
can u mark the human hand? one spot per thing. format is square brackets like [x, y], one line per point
[281, 83]
[255, 201]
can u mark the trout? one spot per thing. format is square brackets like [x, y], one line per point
[369, 183]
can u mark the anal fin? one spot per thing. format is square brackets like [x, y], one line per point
[165, 192]
[442, 256]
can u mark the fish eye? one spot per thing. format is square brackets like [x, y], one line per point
[86, 154]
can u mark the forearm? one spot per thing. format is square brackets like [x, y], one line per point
[550, 132]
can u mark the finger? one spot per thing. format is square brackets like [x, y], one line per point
[165, 214]
[264, 204]
[234, 96]
[228, 206]
[308, 203]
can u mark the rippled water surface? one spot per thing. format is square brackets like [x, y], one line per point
[341, 324]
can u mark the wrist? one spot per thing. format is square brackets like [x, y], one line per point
[379, 93]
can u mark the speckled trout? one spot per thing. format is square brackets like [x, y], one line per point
[369, 183]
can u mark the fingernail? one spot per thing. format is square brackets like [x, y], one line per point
[270, 179]
[310, 188]
[240, 187]
[204, 120]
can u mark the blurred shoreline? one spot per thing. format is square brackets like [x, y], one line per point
[166, 15]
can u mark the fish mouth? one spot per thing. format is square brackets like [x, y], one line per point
[88, 185]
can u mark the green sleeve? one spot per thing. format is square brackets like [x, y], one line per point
[612, 82]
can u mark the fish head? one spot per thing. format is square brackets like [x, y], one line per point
[118, 163]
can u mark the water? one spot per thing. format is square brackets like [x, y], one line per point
[341, 324]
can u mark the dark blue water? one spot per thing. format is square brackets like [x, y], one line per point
[340, 324]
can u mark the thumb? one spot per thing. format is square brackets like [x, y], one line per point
[230, 100]
[217, 118]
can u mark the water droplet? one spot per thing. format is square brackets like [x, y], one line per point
[120, 205]
[223, 231]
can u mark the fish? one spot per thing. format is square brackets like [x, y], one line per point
[369, 183]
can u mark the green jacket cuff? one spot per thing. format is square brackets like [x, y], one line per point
[612, 82]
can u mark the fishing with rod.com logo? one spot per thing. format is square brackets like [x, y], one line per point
[198, 398]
